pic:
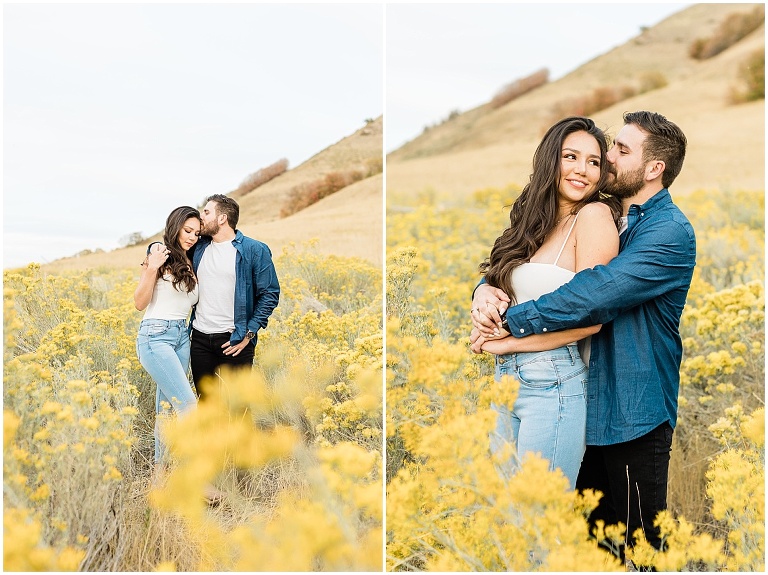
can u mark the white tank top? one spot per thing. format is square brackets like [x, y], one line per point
[169, 303]
[532, 280]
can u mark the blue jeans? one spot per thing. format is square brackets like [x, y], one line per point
[550, 413]
[163, 349]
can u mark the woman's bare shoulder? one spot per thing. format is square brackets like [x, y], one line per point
[595, 211]
[596, 221]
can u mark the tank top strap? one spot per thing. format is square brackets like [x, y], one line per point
[566, 239]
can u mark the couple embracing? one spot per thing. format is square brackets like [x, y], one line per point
[581, 302]
[205, 266]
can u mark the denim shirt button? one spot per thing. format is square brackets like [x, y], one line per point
[545, 329]
[522, 330]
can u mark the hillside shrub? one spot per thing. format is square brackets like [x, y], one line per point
[305, 194]
[260, 177]
[733, 28]
[519, 87]
[650, 81]
[752, 79]
[604, 97]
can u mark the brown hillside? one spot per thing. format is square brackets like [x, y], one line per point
[347, 223]
[263, 204]
[484, 147]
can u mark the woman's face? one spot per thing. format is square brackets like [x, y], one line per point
[579, 166]
[189, 233]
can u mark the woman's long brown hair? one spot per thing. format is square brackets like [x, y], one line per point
[178, 262]
[534, 213]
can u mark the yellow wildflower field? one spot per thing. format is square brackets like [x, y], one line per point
[447, 507]
[302, 476]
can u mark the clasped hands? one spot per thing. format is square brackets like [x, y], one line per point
[488, 306]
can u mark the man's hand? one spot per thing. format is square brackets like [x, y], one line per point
[488, 305]
[233, 350]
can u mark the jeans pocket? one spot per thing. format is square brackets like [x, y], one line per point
[538, 374]
[153, 328]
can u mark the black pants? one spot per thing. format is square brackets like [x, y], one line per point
[207, 356]
[633, 478]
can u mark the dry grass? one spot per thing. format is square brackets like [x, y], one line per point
[348, 223]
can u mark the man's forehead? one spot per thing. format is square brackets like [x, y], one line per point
[631, 136]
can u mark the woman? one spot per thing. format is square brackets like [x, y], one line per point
[167, 290]
[558, 226]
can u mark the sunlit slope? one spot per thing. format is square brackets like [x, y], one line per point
[484, 147]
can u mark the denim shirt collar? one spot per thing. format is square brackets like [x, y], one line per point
[657, 200]
[636, 212]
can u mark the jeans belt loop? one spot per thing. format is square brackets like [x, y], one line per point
[507, 359]
[572, 354]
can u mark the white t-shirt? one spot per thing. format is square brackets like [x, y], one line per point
[168, 302]
[215, 312]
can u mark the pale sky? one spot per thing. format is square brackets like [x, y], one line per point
[445, 57]
[114, 114]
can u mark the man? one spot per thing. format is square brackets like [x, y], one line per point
[238, 292]
[638, 297]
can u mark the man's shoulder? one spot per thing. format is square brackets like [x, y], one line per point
[668, 225]
[673, 215]
[252, 244]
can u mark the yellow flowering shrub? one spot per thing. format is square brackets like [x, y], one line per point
[22, 547]
[306, 459]
[329, 520]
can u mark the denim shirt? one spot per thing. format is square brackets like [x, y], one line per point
[257, 290]
[634, 367]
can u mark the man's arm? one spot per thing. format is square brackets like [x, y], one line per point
[597, 243]
[652, 265]
[266, 291]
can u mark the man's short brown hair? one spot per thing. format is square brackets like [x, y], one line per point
[227, 206]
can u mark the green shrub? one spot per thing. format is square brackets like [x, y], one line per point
[752, 77]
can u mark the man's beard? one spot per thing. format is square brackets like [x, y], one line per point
[626, 185]
[210, 229]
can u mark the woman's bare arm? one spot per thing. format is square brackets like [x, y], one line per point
[535, 342]
[143, 294]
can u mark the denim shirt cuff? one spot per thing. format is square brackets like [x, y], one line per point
[521, 320]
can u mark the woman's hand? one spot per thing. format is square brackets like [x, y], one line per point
[478, 342]
[488, 305]
[157, 256]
